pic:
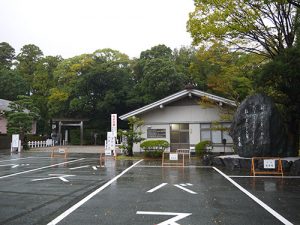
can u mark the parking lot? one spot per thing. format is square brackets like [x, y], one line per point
[37, 189]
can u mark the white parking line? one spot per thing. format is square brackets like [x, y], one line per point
[157, 187]
[79, 167]
[84, 200]
[13, 159]
[280, 177]
[258, 201]
[45, 167]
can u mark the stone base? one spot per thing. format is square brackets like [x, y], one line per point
[291, 165]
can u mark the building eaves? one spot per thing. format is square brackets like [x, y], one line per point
[174, 97]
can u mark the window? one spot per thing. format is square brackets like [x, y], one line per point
[215, 135]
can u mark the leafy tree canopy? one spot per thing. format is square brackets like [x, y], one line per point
[262, 27]
[21, 115]
[7, 55]
[11, 84]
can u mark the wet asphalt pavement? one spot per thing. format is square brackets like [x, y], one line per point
[35, 189]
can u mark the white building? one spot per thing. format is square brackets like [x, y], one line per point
[186, 118]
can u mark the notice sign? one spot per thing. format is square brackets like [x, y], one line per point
[15, 140]
[173, 156]
[114, 124]
[269, 164]
[110, 143]
[61, 150]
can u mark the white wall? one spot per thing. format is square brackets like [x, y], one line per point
[161, 118]
[181, 114]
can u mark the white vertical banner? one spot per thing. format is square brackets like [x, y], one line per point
[110, 143]
[15, 140]
[114, 124]
[15, 143]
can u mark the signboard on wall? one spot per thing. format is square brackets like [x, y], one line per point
[156, 133]
[114, 128]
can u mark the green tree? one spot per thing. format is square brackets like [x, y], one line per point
[280, 79]
[7, 55]
[20, 117]
[226, 73]
[155, 74]
[11, 84]
[133, 134]
[28, 59]
[184, 58]
[262, 27]
[66, 76]
[43, 82]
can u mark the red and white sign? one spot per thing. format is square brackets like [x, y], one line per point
[114, 124]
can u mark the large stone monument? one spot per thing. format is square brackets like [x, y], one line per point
[257, 128]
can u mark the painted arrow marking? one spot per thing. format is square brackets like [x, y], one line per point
[180, 186]
[185, 189]
[55, 176]
[172, 221]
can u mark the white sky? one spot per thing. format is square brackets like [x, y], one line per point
[73, 27]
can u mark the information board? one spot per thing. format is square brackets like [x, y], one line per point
[173, 156]
[269, 164]
[156, 133]
[110, 143]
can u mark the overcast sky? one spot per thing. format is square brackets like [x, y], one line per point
[73, 27]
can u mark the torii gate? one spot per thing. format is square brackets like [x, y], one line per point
[70, 123]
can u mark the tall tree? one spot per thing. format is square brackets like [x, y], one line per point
[43, 82]
[262, 27]
[280, 79]
[155, 74]
[28, 60]
[7, 55]
[11, 84]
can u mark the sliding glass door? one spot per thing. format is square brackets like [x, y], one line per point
[179, 136]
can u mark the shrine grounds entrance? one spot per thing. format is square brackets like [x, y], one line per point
[37, 189]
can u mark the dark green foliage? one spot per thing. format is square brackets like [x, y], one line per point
[200, 148]
[150, 145]
[20, 117]
[133, 134]
[11, 84]
[154, 148]
[280, 79]
[153, 154]
[7, 54]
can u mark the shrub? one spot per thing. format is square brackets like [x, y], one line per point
[154, 148]
[153, 154]
[201, 147]
[155, 145]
